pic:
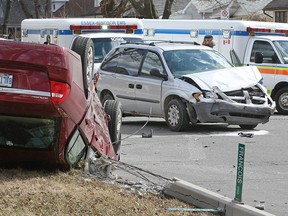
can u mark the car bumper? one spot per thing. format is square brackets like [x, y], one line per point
[221, 111]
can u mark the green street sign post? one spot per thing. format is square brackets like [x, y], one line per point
[240, 172]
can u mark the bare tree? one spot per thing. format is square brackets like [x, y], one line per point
[146, 8]
[42, 8]
[25, 9]
[109, 8]
[47, 8]
[37, 9]
[6, 16]
[167, 9]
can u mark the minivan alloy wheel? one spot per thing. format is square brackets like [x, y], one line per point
[176, 115]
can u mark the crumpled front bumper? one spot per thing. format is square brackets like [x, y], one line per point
[225, 110]
[232, 113]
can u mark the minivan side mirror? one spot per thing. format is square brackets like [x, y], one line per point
[156, 72]
[258, 57]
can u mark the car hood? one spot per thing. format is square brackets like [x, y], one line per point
[228, 79]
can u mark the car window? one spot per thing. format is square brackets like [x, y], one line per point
[129, 62]
[104, 45]
[110, 64]
[151, 61]
[38, 133]
[266, 49]
[282, 47]
[75, 149]
[126, 61]
[183, 62]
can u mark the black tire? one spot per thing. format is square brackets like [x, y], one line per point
[85, 48]
[113, 109]
[106, 96]
[248, 127]
[281, 100]
[176, 115]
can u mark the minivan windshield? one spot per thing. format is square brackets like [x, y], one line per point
[104, 45]
[190, 61]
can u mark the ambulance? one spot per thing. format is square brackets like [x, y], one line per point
[105, 33]
[263, 44]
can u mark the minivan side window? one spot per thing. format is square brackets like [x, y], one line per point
[151, 61]
[110, 63]
[129, 62]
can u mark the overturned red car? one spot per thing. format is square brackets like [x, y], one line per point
[49, 111]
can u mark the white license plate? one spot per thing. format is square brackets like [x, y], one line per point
[6, 80]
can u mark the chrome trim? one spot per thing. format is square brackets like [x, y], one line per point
[25, 92]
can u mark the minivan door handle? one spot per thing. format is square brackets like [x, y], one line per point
[138, 86]
[131, 85]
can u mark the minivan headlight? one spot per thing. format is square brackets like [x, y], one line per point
[197, 95]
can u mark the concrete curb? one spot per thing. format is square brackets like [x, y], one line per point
[206, 199]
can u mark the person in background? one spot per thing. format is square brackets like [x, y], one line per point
[208, 41]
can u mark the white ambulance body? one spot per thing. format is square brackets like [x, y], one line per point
[238, 41]
[104, 32]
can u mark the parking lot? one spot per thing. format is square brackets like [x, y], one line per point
[207, 156]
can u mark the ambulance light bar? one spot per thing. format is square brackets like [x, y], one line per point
[254, 30]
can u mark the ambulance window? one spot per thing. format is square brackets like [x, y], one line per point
[282, 47]
[104, 45]
[266, 49]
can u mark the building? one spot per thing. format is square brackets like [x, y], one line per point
[279, 9]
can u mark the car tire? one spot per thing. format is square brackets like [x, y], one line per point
[106, 96]
[176, 115]
[114, 110]
[281, 99]
[248, 127]
[85, 48]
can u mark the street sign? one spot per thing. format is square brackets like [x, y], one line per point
[224, 14]
[240, 172]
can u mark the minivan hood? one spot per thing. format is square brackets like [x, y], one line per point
[228, 79]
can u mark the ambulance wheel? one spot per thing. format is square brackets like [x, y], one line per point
[85, 48]
[176, 115]
[281, 99]
[113, 109]
[248, 127]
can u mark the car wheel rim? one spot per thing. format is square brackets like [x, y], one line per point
[90, 61]
[173, 115]
[283, 101]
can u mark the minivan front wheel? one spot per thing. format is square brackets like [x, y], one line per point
[106, 96]
[176, 115]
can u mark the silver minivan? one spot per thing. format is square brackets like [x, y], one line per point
[185, 84]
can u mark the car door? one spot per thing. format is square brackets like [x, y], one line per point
[119, 75]
[270, 61]
[148, 92]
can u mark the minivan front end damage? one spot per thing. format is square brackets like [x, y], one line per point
[231, 95]
[247, 106]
